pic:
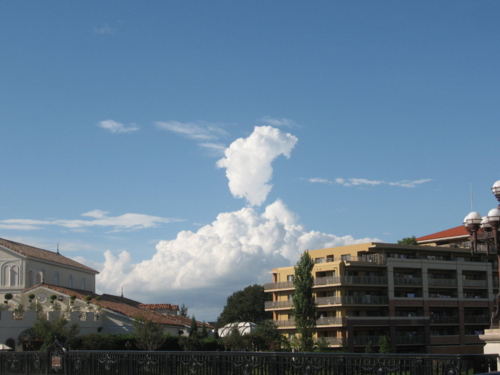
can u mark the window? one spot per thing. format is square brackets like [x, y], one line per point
[289, 278]
[14, 273]
[82, 285]
[5, 275]
[31, 281]
[56, 278]
[39, 278]
[345, 257]
[70, 281]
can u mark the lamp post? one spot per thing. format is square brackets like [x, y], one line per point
[485, 230]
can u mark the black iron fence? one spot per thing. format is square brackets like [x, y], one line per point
[239, 363]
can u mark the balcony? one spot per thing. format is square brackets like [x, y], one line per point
[444, 319]
[350, 280]
[278, 304]
[476, 295]
[443, 282]
[479, 319]
[284, 323]
[332, 341]
[330, 321]
[326, 301]
[364, 340]
[407, 281]
[475, 283]
[280, 285]
[323, 321]
[410, 339]
[352, 300]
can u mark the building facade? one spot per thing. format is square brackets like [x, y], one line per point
[44, 280]
[426, 299]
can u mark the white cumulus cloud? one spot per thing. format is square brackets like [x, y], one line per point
[238, 249]
[248, 162]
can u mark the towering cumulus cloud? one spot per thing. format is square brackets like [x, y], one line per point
[236, 250]
[248, 162]
[239, 248]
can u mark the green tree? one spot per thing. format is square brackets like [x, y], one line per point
[304, 304]
[48, 331]
[265, 337]
[194, 328]
[408, 241]
[247, 305]
[235, 341]
[183, 310]
[147, 335]
[204, 332]
[369, 347]
[384, 343]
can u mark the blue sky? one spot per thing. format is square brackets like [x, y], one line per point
[186, 148]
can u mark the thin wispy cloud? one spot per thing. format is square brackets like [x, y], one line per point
[117, 127]
[278, 121]
[206, 134]
[128, 221]
[105, 30]
[364, 182]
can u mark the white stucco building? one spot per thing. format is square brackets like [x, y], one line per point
[53, 279]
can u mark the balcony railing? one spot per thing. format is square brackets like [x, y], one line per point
[333, 340]
[278, 304]
[475, 295]
[475, 283]
[370, 280]
[481, 319]
[407, 281]
[284, 323]
[443, 282]
[280, 285]
[364, 340]
[321, 301]
[329, 321]
[444, 319]
[410, 339]
[323, 321]
[352, 300]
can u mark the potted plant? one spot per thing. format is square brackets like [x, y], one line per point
[98, 299]
[72, 302]
[88, 298]
[8, 297]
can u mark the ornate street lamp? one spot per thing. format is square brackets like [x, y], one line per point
[485, 230]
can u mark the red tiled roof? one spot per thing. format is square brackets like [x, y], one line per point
[34, 252]
[159, 306]
[459, 231]
[121, 305]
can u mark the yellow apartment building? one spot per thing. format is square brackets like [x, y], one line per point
[426, 299]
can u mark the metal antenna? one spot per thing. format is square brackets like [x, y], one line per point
[58, 248]
[122, 291]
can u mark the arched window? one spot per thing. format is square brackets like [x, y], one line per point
[5, 275]
[70, 281]
[31, 280]
[14, 273]
[56, 278]
[39, 278]
[83, 284]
